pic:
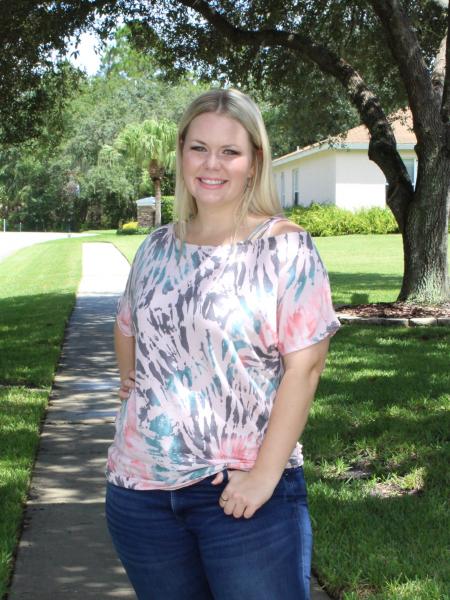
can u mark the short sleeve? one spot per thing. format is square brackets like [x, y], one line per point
[305, 312]
[124, 314]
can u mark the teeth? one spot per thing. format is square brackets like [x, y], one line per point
[212, 181]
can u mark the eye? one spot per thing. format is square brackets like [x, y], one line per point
[231, 152]
[198, 148]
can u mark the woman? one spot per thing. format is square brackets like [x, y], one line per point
[221, 337]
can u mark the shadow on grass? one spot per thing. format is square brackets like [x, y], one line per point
[379, 547]
[381, 408]
[345, 287]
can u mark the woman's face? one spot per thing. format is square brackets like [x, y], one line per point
[217, 160]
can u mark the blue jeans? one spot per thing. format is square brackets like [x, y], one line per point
[179, 545]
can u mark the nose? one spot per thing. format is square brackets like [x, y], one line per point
[212, 160]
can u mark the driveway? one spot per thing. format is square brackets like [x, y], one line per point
[11, 241]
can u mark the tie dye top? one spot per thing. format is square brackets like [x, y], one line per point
[211, 324]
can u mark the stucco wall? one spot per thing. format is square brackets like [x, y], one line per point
[316, 176]
[360, 183]
[346, 178]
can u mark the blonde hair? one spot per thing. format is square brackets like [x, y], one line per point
[260, 196]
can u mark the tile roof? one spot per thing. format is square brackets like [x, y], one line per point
[401, 123]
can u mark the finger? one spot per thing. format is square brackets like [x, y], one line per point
[130, 383]
[218, 479]
[132, 375]
[248, 512]
[228, 507]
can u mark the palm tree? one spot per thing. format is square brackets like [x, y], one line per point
[150, 145]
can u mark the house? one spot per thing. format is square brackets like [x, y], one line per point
[338, 170]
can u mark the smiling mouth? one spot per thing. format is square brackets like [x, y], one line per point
[211, 181]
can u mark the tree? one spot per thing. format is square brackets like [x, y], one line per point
[38, 177]
[306, 31]
[106, 197]
[402, 46]
[33, 85]
[150, 145]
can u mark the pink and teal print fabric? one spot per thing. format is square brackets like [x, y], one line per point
[211, 325]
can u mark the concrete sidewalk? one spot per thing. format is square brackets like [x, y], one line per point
[65, 550]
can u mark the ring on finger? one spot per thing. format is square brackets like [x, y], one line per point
[224, 499]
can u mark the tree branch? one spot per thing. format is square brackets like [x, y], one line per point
[382, 146]
[405, 48]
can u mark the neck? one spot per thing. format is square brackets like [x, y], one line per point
[217, 221]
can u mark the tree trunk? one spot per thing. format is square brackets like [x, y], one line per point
[156, 172]
[157, 184]
[425, 234]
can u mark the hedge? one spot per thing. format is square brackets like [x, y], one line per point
[320, 220]
[323, 220]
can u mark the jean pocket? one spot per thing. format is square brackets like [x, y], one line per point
[295, 483]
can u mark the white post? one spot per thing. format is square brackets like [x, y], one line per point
[4, 225]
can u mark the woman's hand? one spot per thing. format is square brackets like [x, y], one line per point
[127, 385]
[245, 493]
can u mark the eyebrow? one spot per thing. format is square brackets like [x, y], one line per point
[197, 141]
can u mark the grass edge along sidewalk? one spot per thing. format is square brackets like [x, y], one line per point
[37, 294]
[374, 442]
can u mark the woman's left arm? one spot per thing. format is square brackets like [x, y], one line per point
[248, 491]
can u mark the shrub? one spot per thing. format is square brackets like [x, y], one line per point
[132, 228]
[166, 217]
[323, 220]
[166, 209]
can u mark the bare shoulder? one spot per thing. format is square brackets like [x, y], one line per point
[285, 226]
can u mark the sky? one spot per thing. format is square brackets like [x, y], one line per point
[87, 59]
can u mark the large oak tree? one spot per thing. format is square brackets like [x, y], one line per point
[368, 47]
[276, 34]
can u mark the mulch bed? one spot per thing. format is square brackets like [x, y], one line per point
[402, 310]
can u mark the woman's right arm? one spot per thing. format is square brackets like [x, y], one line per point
[125, 356]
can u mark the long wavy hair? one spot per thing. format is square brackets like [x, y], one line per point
[260, 196]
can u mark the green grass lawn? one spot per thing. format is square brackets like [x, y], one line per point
[374, 445]
[37, 292]
[377, 463]
[363, 268]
